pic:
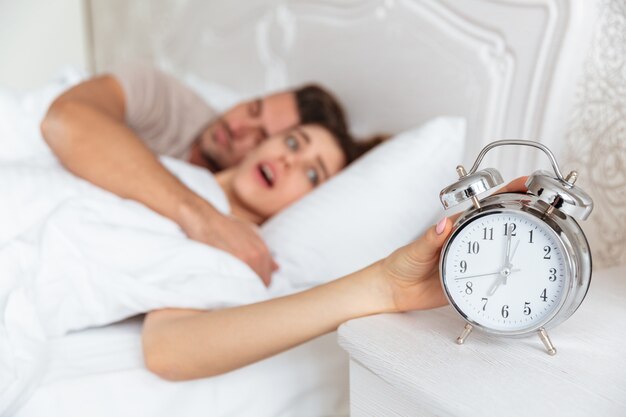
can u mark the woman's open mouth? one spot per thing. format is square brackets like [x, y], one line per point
[267, 174]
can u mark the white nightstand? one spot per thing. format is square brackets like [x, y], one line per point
[409, 364]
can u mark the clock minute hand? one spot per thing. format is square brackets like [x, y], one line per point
[507, 253]
[509, 264]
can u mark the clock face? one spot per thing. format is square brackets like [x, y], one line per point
[506, 271]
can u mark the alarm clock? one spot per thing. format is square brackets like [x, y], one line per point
[516, 264]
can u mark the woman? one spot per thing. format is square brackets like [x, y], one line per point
[181, 344]
[284, 168]
[108, 130]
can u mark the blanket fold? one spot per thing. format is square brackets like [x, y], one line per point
[73, 256]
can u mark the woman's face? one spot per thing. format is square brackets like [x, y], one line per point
[285, 167]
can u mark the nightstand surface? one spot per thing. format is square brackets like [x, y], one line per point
[411, 361]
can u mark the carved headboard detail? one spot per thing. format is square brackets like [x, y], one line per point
[510, 67]
[596, 140]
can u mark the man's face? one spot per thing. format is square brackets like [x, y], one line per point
[233, 134]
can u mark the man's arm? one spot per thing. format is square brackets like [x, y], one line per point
[85, 127]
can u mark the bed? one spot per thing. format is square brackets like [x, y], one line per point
[511, 69]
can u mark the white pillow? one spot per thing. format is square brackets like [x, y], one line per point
[379, 203]
[218, 96]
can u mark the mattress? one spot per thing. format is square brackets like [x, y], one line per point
[100, 372]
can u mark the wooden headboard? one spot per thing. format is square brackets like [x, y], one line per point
[512, 68]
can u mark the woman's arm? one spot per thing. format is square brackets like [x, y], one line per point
[85, 127]
[188, 344]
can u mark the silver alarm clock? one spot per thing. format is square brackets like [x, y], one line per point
[516, 264]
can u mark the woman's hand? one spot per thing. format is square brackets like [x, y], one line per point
[412, 272]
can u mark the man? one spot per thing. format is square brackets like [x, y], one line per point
[109, 129]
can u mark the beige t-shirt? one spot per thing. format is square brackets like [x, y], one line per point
[162, 111]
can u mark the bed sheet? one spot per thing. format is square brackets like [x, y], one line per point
[99, 372]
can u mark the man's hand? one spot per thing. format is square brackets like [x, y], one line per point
[241, 239]
[86, 128]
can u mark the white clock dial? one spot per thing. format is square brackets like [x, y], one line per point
[506, 271]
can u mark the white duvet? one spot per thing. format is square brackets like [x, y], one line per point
[73, 256]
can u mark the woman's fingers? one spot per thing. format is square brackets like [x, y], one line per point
[412, 270]
[517, 185]
[426, 249]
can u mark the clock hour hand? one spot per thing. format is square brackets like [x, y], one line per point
[492, 290]
[504, 274]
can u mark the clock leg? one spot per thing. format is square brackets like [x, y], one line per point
[466, 331]
[543, 335]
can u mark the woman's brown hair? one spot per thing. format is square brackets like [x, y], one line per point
[317, 105]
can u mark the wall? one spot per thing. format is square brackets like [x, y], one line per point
[596, 141]
[552, 70]
[38, 39]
